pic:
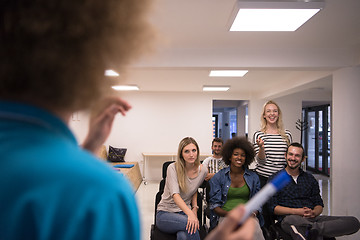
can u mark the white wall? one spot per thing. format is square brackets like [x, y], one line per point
[157, 122]
[345, 141]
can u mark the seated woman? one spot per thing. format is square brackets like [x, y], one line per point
[235, 184]
[177, 210]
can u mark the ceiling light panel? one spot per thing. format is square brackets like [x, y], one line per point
[126, 88]
[216, 88]
[111, 73]
[273, 16]
[228, 73]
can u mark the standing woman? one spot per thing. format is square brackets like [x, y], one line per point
[177, 210]
[270, 142]
[235, 184]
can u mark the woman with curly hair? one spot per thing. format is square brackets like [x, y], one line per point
[235, 184]
[53, 55]
[177, 210]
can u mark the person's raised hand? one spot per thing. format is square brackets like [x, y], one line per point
[101, 120]
[260, 143]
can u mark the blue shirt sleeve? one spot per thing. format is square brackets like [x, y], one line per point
[215, 195]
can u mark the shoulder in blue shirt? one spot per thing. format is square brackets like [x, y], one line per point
[54, 189]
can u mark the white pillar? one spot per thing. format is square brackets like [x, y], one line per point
[345, 147]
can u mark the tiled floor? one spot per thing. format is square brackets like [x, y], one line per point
[146, 198]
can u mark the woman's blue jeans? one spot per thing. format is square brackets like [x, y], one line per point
[172, 223]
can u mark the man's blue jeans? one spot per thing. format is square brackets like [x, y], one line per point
[169, 222]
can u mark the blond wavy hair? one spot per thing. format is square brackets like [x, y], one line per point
[279, 122]
[55, 52]
[180, 162]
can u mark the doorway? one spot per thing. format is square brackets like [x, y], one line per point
[229, 118]
[317, 139]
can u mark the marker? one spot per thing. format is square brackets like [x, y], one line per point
[278, 182]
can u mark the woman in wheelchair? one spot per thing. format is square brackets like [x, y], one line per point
[177, 210]
[235, 184]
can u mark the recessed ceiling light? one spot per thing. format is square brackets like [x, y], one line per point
[111, 73]
[125, 88]
[215, 88]
[227, 73]
[273, 16]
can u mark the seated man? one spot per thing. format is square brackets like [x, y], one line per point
[215, 162]
[299, 204]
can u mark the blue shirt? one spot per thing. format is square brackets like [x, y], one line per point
[52, 189]
[219, 187]
[304, 193]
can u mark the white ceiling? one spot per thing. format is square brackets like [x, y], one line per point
[193, 38]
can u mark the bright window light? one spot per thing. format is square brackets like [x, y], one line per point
[227, 73]
[273, 16]
[216, 88]
[111, 73]
[125, 88]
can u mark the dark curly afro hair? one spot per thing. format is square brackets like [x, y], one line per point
[238, 142]
[56, 52]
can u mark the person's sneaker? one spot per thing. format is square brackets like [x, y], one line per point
[296, 234]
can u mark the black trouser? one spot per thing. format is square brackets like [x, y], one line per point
[265, 209]
[263, 180]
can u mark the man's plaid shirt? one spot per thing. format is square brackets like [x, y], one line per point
[304, 193]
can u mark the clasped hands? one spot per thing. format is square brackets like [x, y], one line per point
[306, 212]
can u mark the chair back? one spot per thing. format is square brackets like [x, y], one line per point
[164, 168]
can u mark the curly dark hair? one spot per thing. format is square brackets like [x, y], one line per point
[238, 142]
[55, 52]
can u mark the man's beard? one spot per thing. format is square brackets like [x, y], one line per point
[294, 166]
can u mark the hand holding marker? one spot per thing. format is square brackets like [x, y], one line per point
[280, 181]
